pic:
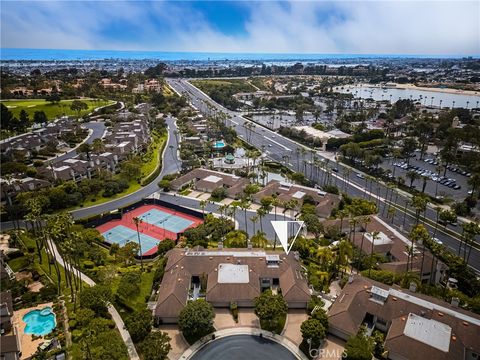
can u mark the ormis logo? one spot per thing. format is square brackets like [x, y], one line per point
[327, 354]
[287, 232]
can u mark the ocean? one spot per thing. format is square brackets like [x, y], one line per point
[71, 55]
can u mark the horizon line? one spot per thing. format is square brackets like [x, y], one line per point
[251, 53]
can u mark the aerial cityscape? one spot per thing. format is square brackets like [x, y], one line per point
[257, 180]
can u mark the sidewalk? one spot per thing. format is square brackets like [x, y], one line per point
[178, 342]
[132, 352]
[295, 318]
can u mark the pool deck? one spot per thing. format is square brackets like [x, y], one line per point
[28, 345]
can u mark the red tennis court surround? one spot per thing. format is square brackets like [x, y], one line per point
[158, 222]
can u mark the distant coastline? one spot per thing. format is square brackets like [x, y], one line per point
[10, 54]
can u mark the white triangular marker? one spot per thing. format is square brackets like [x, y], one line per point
[281, 229]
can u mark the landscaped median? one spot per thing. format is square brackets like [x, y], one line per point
[152, 164]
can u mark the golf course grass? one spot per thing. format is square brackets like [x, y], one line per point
[52, 110]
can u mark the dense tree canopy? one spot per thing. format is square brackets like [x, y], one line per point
[156, 346]
[313, 329]
[139, 324]
[270, 308]
[196, 319]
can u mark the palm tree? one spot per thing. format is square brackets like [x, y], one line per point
[415, 236]
[203, 205]
[375, 236]
[297, 152]
[353, 224]
[437, 210]
[469, 231]
[391, 213]
[233, 208]
[439, 170]
[419, 202]
[259, 240]
[342, 214]
[365, 220]
[261, 212]
[137, 221]
[412, 175]
[345, 252]
[244, 205]
[475, 230]
[275, 202]
[254, 220]
[289, 205]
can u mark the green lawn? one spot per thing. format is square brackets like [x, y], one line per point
[230, 86]
[51, 110]
[153, 156]
[99, 199]
[18, 264]
[138, 302]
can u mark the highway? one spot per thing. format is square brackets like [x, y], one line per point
[284, 150]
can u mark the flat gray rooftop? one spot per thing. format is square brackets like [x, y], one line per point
[427, 331]
[233, 274]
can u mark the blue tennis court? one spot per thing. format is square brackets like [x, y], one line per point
[170, 222]
[121, 235]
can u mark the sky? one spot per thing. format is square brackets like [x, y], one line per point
[315, 27]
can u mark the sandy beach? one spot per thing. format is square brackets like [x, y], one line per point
[425, 88]
[435, 89]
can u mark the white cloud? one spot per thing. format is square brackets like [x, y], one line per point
[368, 27]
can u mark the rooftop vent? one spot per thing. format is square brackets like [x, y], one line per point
[272, 260]
[379, 295]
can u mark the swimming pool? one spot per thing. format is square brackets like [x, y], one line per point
[219, 144]
[40, 322]
[241, 347]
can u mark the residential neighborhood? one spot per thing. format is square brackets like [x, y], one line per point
[257, 181]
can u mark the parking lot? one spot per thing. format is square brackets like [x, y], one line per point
[452, 183]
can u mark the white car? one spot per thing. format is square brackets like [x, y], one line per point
[359, 175]
[438, 241]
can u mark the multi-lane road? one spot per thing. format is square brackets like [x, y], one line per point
[284, 150]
